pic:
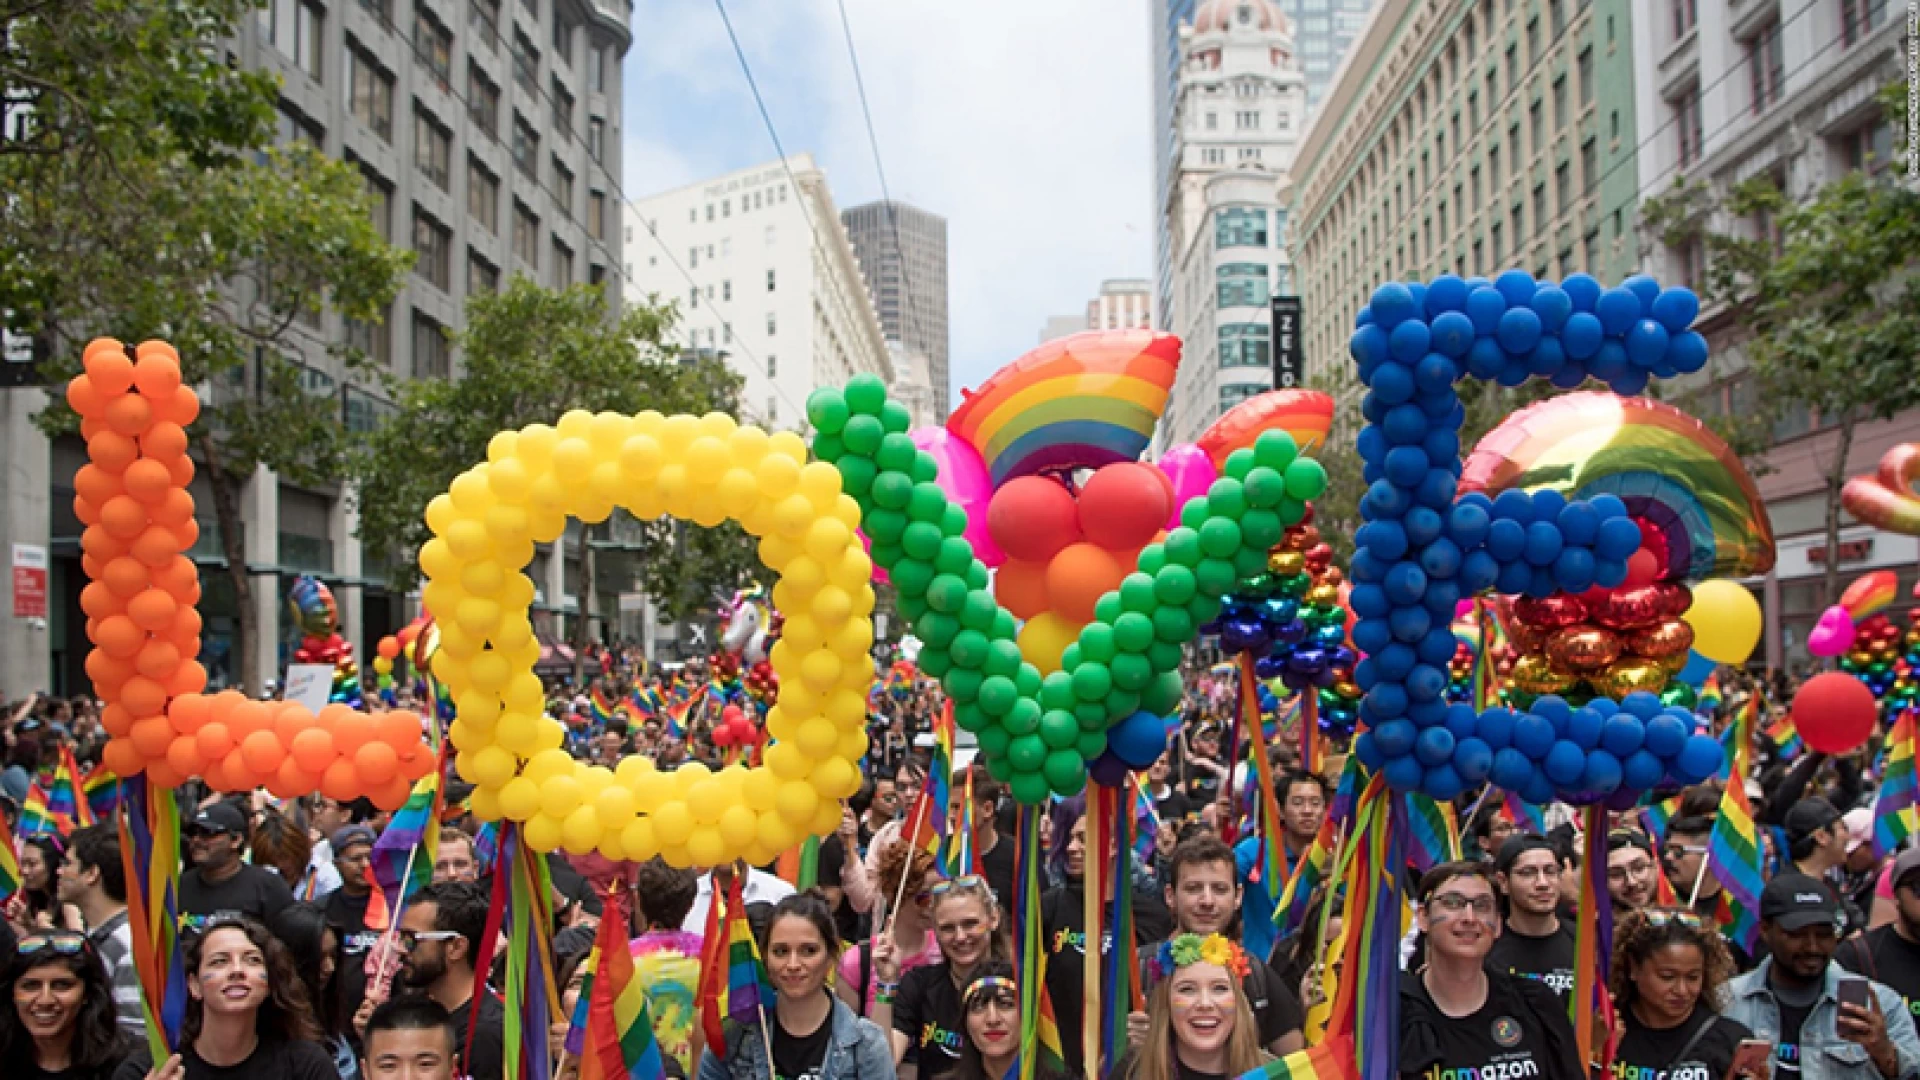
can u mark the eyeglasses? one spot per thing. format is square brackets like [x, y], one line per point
[409, 939]
[1454, 903]
[963, 883]
[1686, 849]
[61, 942]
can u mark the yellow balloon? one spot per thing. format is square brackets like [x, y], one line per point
[638, 840]
[739, 827]
[673, 823]
[1044, 638]
[1726, 621]
[542, 832]
[520, 798]
[818, 738]
[559, 796]
[797, 802]
[580, 832]
[549, 765]
[776, 832]
[485, 804]
[705, 847]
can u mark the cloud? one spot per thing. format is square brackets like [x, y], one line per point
[1025, 125]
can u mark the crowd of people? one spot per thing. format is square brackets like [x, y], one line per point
[885, 965]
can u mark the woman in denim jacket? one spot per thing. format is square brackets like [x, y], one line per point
[810, 1033]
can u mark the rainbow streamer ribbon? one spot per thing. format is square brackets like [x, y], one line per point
[1309, 873]
[1365, 1012]
[1271, 867]
[1040, 1046]
[1590, 1005]
[149, 838]
[10, 876]
[1733, 851]
[1525, 816]
[523, 910]
[1121, 982]
[1896, 806]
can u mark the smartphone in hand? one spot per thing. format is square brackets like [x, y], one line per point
[1855, 991]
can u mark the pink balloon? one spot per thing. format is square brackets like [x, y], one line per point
[1192, 473]
[1833, 634]
[963, 476]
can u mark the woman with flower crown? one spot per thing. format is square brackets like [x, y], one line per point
[1199, 1023]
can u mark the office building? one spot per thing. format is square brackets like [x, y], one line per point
[766, 279]
[1467, 138]
[1123, 304]
[1786, 91]
[902, 250]
[1059, 326]
[1242, 104]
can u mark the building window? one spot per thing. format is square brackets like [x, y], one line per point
[562, 268]
[526, 234]
[597, 69]
[526, 148]
[294, 28]
[562, 188]
[1560, 116]
[483, 18]
[1473, 110]
[1557, 16]
[432, 149]
[1213, 121]
[1685, 14]
[1540, 206]
[1212, 155]
[1519, 226]
[562, 36]
[1234, 394]
[1585, 71]
[526, 64]
[433, 45]
[1513, 67]
[377, 193]
[562, 110]
[1475, 174]
[379, 9]
[773, 368]
[1589, 165]
[483, 197]
[1563, 185]
[1239, 227]
[1493, 168]
[596, 138]
[1245, 345]
[1589, 251]
[483, 101]
[1246, 120]
[482, 276]
[369, 93]
[432, 243]
[1868, 148]
[372, 340]
[1536, 126]
[770, 324]
[1687, 125]
[769, 279]
[1494, 233]
[1765, 66]
[726, 291]
[1858, 18]
[432, 352]
[1240, 285]
[597, 215]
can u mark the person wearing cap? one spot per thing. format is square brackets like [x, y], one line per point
[1890, 954]
[357, 918]
[1861, 872]
[1631, 873]
[1535, 942]
[219, 883]
[1817, 840]
[1792, 999]
[1685, 856]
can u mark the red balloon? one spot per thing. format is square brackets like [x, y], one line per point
[1643, 568]
[1123, 505]
[1032, 517]
[1834, 712]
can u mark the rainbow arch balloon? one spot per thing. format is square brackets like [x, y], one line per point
[1670, 470]
[1307, 415]
[1087, 400]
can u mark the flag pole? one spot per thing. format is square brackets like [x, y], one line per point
[906, 870]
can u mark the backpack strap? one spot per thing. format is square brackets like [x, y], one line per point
[1698, 1033]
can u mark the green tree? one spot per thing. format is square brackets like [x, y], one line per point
[144, 199]
[530, 354]
[1820, 294]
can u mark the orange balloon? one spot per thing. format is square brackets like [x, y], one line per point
[417, 765]
[158, 660]
[214, 739]
[186, 624]
[109, 367]
[156, 545]
[84, 399]
[186, 534]
[128, 415]
[180, 469]
[180, 408]
[1078, 576]
[340, 782]
[291, 781]
[389, 647]
[262, 752]
[190, 677]
[119, 637]
[392, 796]
[225, 705]
[249, 717]
[184, 756]
[93, 425]
[116, 719]
[90, 565]
[180, 578]
[376, 763]
[1021, 587]
[215, 774]
[96, 485]
[313, 750]
[123, 516]
[96, 541]
[157, 375]
[112, 451]
[87, 512]
[165, 777]
[152, 609]
[399, 729]
[99, 602]
[147, 480]
[190, 712]
[126, 576]
[233, 768]
[144, 697]
[351, 730]
[120, 757]
[174, 510]
[164, 441]
[103, 667]
[151, 736]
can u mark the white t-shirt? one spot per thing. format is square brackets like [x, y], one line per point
[760, 888]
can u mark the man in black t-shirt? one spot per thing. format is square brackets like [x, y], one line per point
[994, 851]
[440, 935]
[219, 883]
[350, 909]
[1685, 856]
[1891, 954]
[1203, 890]
[1535, 943]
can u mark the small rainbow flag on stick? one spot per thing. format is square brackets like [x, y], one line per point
[1896, 808]
[1332, 1059]
[749, 994]
[9, 862]
[63, 793]
[1733, 852]
[615, 1033]
[101, 790]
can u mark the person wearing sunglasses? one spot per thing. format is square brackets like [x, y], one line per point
[248, 1017]
[1458, 1015]
[219, 882]
[922, 1008]
[56, 1011]
[1685, 856]
[439, 936]
[992, 1004]
[1669, 980]
[906, 940]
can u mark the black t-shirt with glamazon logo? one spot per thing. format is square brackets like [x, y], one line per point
[1521, 1032]
[800, 1057]
[1786, 1052]
[1647, 1053]
[1548, 960]
[926, 1009]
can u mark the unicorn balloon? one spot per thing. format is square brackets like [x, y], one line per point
[748, 633]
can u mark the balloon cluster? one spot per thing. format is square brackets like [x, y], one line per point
[1602, 643]
[1040, 733]
[1422, 550]
[317, 617]
[735, 728]
[1904, 694]
[705, 469]
[1067, 548]
[1460, 674]
[1875, 658]
[237, 745]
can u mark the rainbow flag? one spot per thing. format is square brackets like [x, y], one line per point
[1040, 1047]
[1656, 815]
[600, 705]
[645, 703]
[1435, 833]
[1733, 852]
[149, 837]
[676, 710]
[930, 817]
[9, 862]
[1785, 734]
[1290, 913]
[64, 800]
[713, 967]
[1707, 702]
[1346, 793]
[36, 817]
[101, 789]
[1330, 1060]
[749, 994]
[403, 856]
[1896, 810]
[1526, 817]
[615, 1032]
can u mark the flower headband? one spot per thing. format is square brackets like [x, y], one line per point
[1183, 950]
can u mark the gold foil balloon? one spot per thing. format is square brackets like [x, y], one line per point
[1286, 563]
[1323, 595]
[1583, 648]
[1676, 663]
[1535, 674]
[1528, 639]
[1668, 637]
[1627, 676]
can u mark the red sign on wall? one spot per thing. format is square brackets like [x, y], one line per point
[29, 581]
